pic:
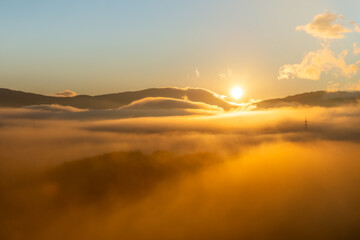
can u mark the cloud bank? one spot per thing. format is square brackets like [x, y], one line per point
[51, 138]
[308, 188]
[234, 175]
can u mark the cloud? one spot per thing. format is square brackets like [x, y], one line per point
[137, 195]
[152, 103]
[356, 27]
[229, 75]
[66, 93]
[356, 49]
[353, 86]
[115, 100]
[333, 86]
[350, 86]
[54, 108]
[324, 26]
[255, 195]
[316, 63]
[197, 73]
[146, 107]
[52, 139]
[341, 124]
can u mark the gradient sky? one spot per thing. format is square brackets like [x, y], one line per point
[95, 47]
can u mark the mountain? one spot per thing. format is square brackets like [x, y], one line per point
[318, 98]
[11, 98]
[171, 97]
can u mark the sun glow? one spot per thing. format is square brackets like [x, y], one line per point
[237, 92]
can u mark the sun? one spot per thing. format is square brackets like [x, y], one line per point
[237, 92]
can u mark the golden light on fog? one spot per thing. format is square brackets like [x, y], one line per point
[237, 92]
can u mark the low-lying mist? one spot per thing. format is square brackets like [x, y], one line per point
[237, 175]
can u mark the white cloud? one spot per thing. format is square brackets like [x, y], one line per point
[316, 63]
[356, 27]
[197, 73]
[333, 86]
[324, 26]
[353, 86]
[66, 93]
[356, 49]
[229, 75]
[169, 103]
[350, 86]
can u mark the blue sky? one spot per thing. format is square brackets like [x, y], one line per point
[110, 46]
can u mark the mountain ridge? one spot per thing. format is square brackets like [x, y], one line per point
[315, 98]
[12, 98]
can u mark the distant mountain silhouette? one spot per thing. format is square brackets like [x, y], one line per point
[161, 97]
[11, 98]
[319, 98]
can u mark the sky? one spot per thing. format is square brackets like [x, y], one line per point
[269, 48]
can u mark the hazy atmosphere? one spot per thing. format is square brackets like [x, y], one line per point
[179, 120]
